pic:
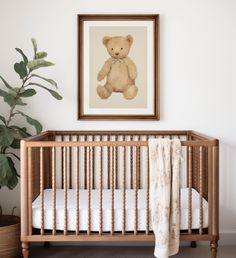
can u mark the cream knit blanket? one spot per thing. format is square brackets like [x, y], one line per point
[164, 159]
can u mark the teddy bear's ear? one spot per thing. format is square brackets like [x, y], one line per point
[130, 39]
[105, 40]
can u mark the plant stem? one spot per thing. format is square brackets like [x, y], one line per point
[15, 100]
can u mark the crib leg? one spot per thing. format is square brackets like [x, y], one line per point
[214, 246]
[25, 249]
[193, 244]
[46, 244]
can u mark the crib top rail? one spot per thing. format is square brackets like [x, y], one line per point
[48, 138]
[123, 132]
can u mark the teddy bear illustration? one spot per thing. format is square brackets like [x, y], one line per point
[120, 71]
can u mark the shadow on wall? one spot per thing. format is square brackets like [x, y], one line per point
[227, 188]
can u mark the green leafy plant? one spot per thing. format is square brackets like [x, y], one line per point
[10, 133]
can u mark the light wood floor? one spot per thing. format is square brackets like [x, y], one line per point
[124, 252]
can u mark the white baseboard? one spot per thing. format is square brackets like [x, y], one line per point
[228, 238]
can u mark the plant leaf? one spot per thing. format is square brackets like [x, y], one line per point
[20, 133]
[16, 144]
[13, 92]
[45, 79]
[14, 180]
[32, 122]
[33, 40]
[9, 98]
[13, 154]
[12, 166]
[52, 92]
[3, 119]
[28, 93]
[5, 82]
[6, 136]
[40, 55]
[4, 168]
[21, 69]
[23, 55]
[3, 93]
[38, 63]
[10, 101]
[8, 173]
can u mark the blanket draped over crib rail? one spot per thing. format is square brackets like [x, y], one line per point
[164, 160]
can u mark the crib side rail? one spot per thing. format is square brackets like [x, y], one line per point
[38, 157]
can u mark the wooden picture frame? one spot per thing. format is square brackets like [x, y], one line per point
[125, 49]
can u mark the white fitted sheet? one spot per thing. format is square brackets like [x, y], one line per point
[118, 213]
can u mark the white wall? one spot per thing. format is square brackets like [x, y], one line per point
[198, 71]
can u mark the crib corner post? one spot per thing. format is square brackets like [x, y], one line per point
[215, 202]
[214, 246]
[25, 249]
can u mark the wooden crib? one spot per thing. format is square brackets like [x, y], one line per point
[94, 186]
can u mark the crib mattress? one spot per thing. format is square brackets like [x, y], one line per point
[118, 212]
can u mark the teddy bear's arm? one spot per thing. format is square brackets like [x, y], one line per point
[131, 68]
[105, 70]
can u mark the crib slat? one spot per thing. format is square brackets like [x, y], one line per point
[93, 165]
[54, 189]
[108, 165]
[62, 164]
[70, 165]
[65, 189]
[89, 192]
[190, 155]
[138, 165]
[136, 192]
[85, 164]
[131, 164]
[147, 191]
[77, 188]
[112, 191]
[101, 192]
[42, 189]
[201, 190]
[123, 190]
[117, 165]
[30, 182]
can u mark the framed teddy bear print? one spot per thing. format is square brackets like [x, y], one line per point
[118, 67]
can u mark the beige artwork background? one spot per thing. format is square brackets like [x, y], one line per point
[98, 56]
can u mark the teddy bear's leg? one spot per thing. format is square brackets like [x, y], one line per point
[131, 92]
[105, 91]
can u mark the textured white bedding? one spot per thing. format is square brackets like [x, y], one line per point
[130, 197]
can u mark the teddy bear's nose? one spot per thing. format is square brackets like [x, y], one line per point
[117, 53]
